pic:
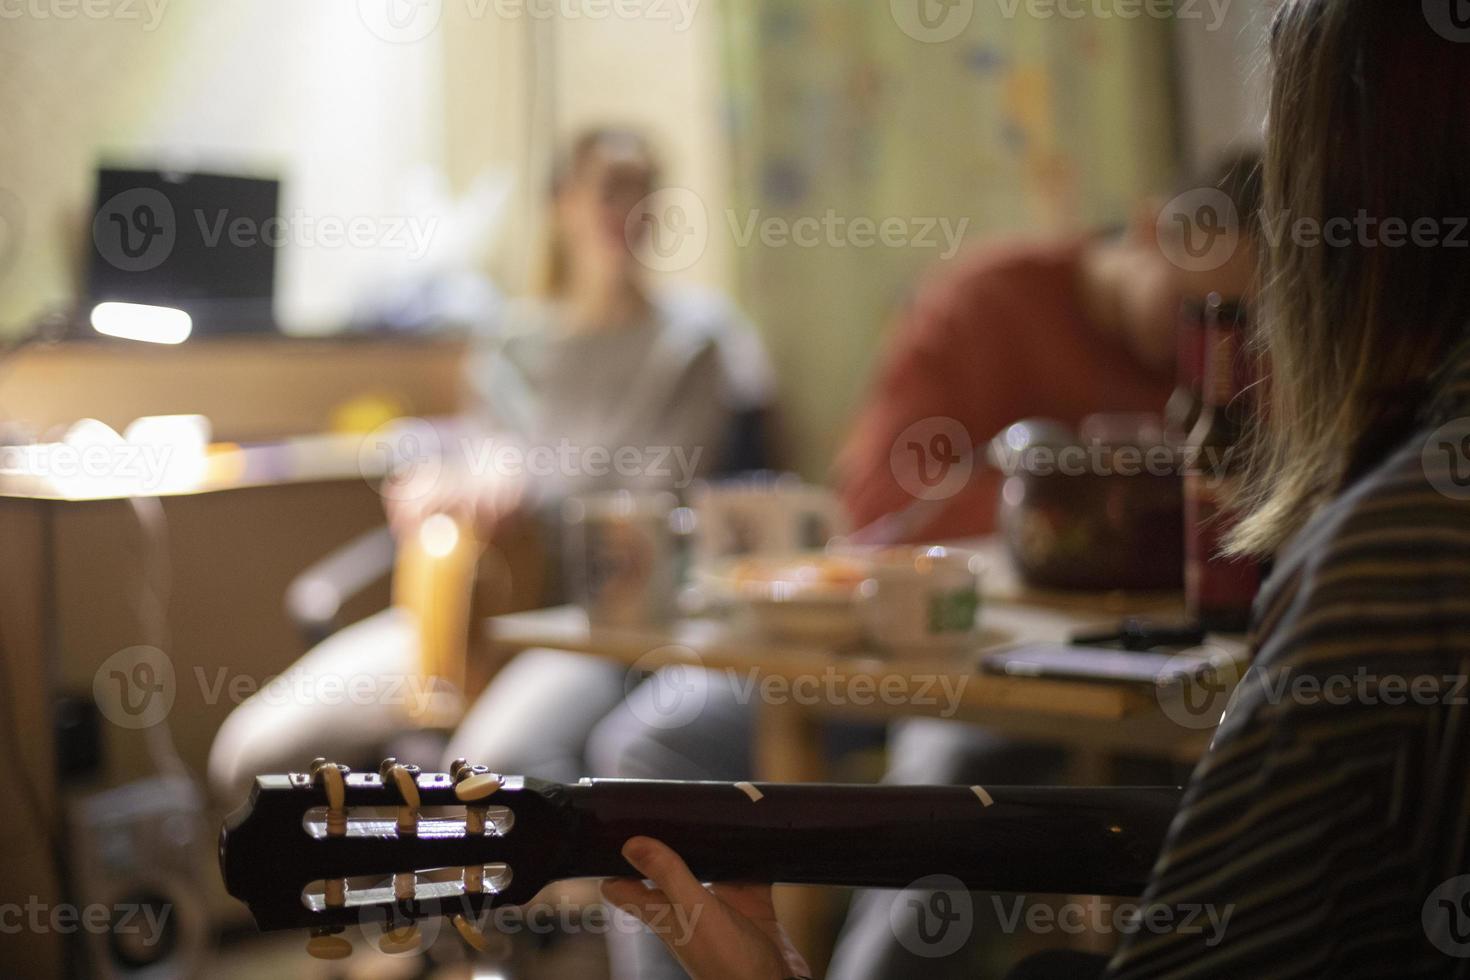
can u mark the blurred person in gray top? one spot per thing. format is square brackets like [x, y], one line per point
[596, 362]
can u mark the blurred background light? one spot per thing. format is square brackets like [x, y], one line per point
[135, 321]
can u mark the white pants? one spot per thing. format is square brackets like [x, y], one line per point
[351, 696]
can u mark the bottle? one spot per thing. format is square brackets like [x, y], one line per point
[1219, 590]
[1187, 401]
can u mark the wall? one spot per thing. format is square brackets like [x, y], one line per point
[661, 72]
[361, 119]
[306, 91]
[1004, 125]
[1223, 75]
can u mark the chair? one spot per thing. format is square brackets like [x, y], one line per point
[444, 583]
[445, 577]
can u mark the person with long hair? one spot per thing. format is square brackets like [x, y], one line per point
[596, 359]
[1328, 825]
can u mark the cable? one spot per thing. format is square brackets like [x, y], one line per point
[152, 609]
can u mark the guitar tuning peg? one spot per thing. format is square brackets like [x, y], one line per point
[472, 784]
[472, 934]
[320, 763]
[327, 944]
[475, 783]
[404, 778]
[336, 894]
[333, 778]
[455, 767]
[402, 939]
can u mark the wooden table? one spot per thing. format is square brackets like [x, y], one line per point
[1096, 722]
[71, 589]
[1095, 717]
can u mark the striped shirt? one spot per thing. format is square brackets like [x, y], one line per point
[1329, 819]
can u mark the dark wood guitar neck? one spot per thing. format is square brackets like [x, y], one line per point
[280, 855]
[1032, 840]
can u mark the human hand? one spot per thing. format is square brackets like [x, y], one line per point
[723, 932]
[482, 504]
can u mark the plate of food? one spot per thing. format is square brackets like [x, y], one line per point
[906, 601]
[809, 597]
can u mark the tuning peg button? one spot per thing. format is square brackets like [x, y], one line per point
[403, 939]
[328, 946]
[333, 779]
[405, 779]
[477, 787]
[471, 934]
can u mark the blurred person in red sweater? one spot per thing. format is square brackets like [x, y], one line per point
[1058, 330]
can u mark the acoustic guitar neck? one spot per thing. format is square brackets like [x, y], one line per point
[1038, 840]
[321, 850]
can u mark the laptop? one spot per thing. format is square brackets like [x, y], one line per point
[202, 243]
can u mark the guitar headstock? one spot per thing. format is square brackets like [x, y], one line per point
[331, 848]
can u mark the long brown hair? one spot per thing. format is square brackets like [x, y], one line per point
[1367, 123]
[550, 275]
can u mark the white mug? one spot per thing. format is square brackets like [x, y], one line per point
[621, 557]
[922, 601]
[780, 516]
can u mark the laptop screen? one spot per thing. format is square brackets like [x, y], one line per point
[203, 243]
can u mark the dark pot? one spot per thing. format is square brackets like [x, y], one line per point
[1092, 516]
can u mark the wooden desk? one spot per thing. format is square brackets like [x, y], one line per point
[1094, 721]
[252, 388]
[72, 594]
[1094, 717]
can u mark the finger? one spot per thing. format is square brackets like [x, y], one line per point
[633, 895]
[648, 905]
[658, 863]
